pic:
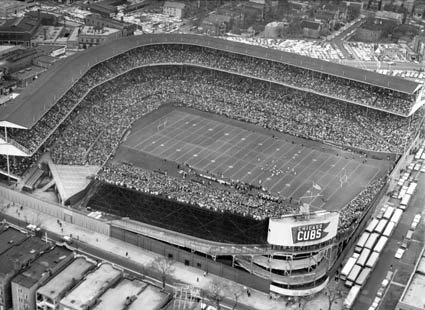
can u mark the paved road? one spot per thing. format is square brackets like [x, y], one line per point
[402, 268]
[339, 39]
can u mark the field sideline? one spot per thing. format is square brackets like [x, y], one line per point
[216, 145]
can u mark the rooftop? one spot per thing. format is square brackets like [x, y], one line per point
[104, 31]
[91, 287]
[47, 261]
[310, 24]
[11, 3]
[20, 24]
[151, 298]
[47, 34]
[115, 298]
[9, 238]
[421, 265]
[63, 281]
[174, 4]
[414, 295]
[27, 73]
[218, 18]
[8, 48]
[48, 49]
[46, 59]
[13, 259]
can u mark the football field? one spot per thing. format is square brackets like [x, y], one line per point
[228, 149]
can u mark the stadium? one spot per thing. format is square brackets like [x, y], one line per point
[259, 160]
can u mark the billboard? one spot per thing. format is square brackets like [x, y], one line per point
[303, 230]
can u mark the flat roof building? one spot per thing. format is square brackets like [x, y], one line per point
[151, 298]
[26, 76]
[10, 7]
[413, 295]
[9, 238]
[13, 261]
[88, 291]
[47, 35]
[25, 284]
[92, 36]
[19, 30]
[174, 8]
[49, 295]
[120, 296]
[97, 20]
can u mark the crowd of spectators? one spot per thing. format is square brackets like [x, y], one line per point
[392, 102]
[98, 110]
[353, 211]
[216, 198]
[112, 107]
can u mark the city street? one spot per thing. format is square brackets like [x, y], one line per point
[402, 268]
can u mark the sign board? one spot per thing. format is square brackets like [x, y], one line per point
[298, 230]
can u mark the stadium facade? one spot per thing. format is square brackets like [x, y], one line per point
[295, 254]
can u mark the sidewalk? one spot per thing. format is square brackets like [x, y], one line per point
[186, 274]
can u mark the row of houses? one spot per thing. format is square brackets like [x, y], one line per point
[37, 28]
[39, 275]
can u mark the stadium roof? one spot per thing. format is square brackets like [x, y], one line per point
[39, 97]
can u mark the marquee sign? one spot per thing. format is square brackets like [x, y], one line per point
[309, 232]
[298, 230]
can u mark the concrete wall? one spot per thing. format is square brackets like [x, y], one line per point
[191, 259]
[55, 210]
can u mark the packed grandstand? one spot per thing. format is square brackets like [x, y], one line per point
[87, 123]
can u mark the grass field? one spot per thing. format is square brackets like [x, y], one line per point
[218, 146]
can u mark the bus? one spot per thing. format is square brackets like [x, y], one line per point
[352, 276]
[396, 216]
[381, 226]
[348, 266]
[371, 226]
[388, 212]
[389, 229]
[380, 245]
[411, 189]
[405, 201]
[364, 274]
[363, 257]
[351, 297]
[403, 191]
[371, 241]
[373, 259]
[362, 241]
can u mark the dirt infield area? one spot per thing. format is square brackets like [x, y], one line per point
[290, 167]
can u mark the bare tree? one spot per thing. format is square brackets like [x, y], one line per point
[216, 293]
[237, 292]
[333, 293]
[165, 267]
[302, 303]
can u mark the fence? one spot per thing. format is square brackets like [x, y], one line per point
[57, 211]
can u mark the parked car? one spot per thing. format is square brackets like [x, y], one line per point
[399, 253]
